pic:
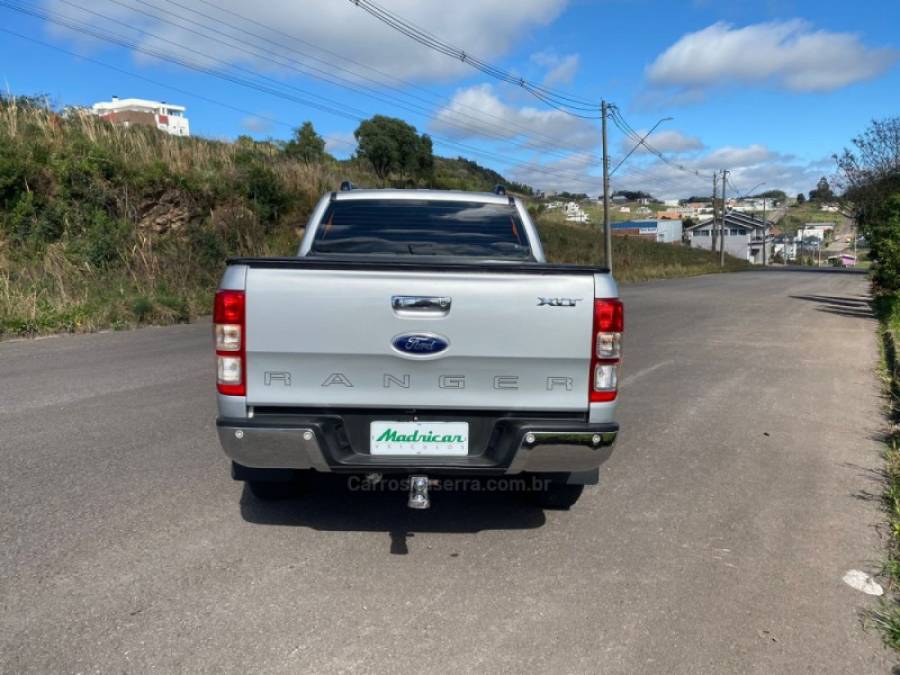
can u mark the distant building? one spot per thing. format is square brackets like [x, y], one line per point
[817, 230]
[745, 236]
[662, 231]
[137, 111]
[669, 215]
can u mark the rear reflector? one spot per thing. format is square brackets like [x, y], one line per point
[606, 350]
[229, 332]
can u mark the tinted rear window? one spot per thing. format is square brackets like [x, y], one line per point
[420, 228]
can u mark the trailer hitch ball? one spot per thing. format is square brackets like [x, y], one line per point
[418, 492]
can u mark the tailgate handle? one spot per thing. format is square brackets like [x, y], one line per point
[421, 304]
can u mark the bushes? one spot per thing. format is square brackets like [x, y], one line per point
[106, 226]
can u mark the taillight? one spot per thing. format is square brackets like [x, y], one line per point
[606, 349]
[228, 329]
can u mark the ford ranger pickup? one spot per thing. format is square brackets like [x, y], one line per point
[418, 334]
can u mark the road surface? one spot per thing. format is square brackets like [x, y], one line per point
[743, 488]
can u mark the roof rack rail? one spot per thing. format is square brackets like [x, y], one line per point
[500, 189]
[346, 185]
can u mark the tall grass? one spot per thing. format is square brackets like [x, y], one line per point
[634, 258]
[104, 226]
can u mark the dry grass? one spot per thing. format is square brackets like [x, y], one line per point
[103, 226]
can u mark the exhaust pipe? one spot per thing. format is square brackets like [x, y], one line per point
[418, 493]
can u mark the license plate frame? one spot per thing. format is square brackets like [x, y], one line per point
[391, 438]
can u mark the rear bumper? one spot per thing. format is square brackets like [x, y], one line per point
[322, 442]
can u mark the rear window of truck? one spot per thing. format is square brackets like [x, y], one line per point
[421, 228]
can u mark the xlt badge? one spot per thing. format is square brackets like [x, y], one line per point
[558, 302]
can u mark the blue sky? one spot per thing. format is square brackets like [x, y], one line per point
[768, 89]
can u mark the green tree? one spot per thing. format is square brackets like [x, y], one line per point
[801, 198]
[871, 176]
[392, 146]
[822, 193]
[306, 145]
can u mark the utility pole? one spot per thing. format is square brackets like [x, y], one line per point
[725, 173]
[714, 221]
[607, 232]
[765, 231]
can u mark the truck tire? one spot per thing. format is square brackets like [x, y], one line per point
[555, 495]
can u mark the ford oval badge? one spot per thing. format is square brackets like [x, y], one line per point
[420, 344]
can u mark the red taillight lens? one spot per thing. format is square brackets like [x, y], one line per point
[229, 307]
[609, 316]
[229, 333]
[606, 350]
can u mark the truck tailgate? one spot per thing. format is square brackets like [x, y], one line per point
[319, 337]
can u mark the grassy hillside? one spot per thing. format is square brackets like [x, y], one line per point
[102, 226]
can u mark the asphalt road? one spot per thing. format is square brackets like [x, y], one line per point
[740, 493]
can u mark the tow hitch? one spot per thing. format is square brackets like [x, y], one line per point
[418, 492]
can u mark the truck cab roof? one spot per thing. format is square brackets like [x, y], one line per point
[422, 195]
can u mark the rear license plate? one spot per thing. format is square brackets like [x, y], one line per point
[432, 439]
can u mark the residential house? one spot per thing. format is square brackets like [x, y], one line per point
[137, 111]
[575, 214]
[817, 230]
[746, 237]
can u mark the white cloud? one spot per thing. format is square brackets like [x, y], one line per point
[730, 156]
[681, 178]
[340, 143]
[486, 28]
[749, 166]
[560, 69]
[790, 54]
[257, 125]
[477, 112]
[576, 173]
[666, 140]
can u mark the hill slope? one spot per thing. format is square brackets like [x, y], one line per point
[102, 226]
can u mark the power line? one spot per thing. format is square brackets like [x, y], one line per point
[327, 107]
[401, 81]
[304, 92]
[330, 76]
[191, 94]
[564, 102]
[629, 131]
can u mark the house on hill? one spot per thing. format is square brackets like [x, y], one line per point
[137, 111]
[746, 237]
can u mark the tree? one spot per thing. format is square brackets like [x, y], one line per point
[394, 147]
[822, 193]
[801, 198]
[871, 176]
[632, 195]
[306, 145]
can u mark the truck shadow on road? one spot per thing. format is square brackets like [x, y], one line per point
[332, 506]
[852, 306]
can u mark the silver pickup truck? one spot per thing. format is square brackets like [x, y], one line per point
[418, 335]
